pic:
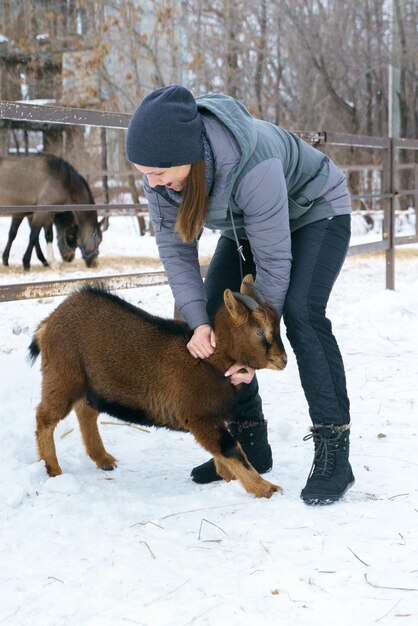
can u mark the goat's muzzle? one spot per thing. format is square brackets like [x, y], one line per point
[277, 362]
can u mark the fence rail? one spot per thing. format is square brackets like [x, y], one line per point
[49, 288]
[10, 210]
[19, 111]
[390, 194]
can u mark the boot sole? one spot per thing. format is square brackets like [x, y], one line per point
[321, 501]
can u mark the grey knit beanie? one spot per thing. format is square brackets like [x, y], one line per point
[165, 130]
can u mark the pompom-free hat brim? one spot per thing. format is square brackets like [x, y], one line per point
[166, 129]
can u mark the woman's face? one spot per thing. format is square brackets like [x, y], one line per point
[173, 177]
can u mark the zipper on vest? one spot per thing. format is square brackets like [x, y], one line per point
[160, 217]
[234, 230]
[241, 256]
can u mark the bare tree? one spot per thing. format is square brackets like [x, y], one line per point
[305, 64]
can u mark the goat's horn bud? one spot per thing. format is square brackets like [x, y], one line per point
[249, 302]
[256, 295]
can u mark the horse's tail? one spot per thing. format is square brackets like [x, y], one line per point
[72, 180]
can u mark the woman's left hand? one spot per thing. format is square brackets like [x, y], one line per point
[239, 373]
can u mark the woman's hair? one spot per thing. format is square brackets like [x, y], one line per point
[194, 203]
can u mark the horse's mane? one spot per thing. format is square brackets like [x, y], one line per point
[71, 179]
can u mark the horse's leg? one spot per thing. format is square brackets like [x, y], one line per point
[14, 227]
[36, 223]
[38, 250]
[40, 254]
[49, 237]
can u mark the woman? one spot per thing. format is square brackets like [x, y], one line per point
[283, 210]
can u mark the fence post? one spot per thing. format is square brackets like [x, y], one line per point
[416, 197]
[389, 232]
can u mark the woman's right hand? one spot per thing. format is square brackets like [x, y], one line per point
[203, 342]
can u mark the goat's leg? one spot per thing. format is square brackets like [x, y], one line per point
[241, 469]
[230, 459]
[87, 418]
[46, 420]
[224, 471]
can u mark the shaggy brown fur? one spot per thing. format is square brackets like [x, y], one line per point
[100, 353]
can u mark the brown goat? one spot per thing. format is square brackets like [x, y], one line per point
[102, 354]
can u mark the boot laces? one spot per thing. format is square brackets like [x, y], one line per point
[326, 448]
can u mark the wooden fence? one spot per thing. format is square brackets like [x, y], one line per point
[390, 167]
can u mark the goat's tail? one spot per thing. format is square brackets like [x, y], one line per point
[35, 348]
[34, 351]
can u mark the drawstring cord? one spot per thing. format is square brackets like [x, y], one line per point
[241, 256]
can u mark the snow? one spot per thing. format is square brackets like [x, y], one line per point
[37, 101]
[145, 545]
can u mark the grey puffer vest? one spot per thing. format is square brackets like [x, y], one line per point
[272, 181]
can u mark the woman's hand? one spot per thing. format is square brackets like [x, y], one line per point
[203, 342]
[239, 373]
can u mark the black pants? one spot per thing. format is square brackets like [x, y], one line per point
[318, 252]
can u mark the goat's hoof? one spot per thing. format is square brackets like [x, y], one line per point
[5, 263]
[267, 489]
[107, 464]
[53, 471]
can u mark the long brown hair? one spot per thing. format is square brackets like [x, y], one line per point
[194, 203]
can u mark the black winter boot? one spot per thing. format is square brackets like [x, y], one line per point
[253, 438]
[331, 475]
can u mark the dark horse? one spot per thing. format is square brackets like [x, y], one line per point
[47, 179]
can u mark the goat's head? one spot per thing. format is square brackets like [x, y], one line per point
[255, 328]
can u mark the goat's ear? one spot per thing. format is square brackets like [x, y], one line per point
[236, 309]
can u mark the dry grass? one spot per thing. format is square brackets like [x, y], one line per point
[122, 264]
[131, 261]
[405, 252]
[402, 252]
[132, 264]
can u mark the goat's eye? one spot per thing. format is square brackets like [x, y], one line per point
[260, 333]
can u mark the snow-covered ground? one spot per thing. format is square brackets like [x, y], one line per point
[145, 545]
